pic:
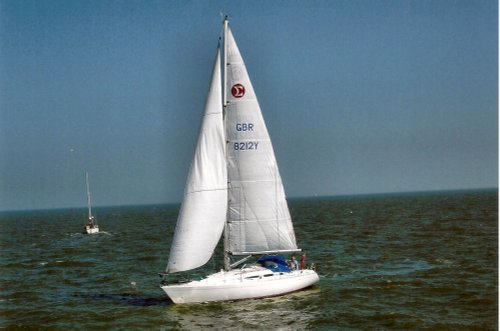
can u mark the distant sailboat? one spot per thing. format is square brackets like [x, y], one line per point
[91, 226]
[234, 190]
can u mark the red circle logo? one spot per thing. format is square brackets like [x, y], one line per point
[238, 90]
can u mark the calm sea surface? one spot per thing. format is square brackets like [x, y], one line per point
[423, 261]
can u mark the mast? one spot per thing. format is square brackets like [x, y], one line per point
[224, 99]
[88, 194]
[227, 260]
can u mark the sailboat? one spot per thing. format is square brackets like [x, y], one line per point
[234, 191]
[91, 226]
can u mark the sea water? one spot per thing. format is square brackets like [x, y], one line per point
[413, 261]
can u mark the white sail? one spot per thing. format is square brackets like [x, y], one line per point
[258, 215]
[203, 212]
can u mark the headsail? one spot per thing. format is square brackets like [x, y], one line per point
[203, 212]
[258, 216]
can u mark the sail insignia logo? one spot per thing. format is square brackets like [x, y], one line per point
[238, 90]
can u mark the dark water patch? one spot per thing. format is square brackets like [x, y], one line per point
[24, 295]
[132, 299]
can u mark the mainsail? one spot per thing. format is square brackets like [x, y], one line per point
[203, 212]
[258, 217]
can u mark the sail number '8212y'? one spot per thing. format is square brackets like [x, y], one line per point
[245, 145]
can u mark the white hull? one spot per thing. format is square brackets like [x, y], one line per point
[90, 230]
[248, 283]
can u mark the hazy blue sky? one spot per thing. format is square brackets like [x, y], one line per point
[359, 96]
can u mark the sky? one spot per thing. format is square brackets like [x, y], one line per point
[359, 96]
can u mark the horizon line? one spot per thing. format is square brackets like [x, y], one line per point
[313, 196]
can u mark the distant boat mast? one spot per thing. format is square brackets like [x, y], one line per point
[88, 194]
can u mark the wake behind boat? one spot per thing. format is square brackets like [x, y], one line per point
[234, 190]
[91, 226]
